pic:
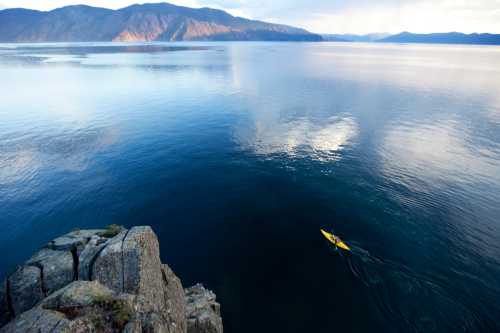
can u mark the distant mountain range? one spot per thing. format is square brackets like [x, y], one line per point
[407, 37]
[443, 38]
[355, 38]
[147, 22]
[167, 22]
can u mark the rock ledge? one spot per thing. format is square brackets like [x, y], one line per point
[104, 281]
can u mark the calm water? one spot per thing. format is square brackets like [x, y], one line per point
[238, 153]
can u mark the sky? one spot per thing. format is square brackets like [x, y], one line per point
[335, 16]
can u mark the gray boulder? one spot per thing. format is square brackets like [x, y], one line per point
[78, 294]
[108, 266]
[130, 263]
[57, 268]
[91, 307]
[202, 311]
[82, 306]
[142, 267]
[88, 255]
[37, 320]
[74, 240]
[25, 288]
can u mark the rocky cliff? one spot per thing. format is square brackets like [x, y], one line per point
[104, 281]
[147, 22]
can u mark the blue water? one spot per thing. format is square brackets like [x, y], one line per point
[237, 153]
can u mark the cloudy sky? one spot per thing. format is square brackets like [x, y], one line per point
[336, 16]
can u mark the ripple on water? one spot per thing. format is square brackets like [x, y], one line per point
[301, 138]
[413, 302]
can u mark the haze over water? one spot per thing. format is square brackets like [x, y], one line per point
[238, 153]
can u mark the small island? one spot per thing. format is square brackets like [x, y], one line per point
[108, 280]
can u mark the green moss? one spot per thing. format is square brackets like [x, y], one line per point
[119, 311]
[102, 300]
[97, 321]
[106, 314]
[111, 231]
[121, 314]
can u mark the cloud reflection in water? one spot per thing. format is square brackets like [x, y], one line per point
[303, 138]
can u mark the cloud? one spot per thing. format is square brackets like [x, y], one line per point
[363, 16]
[423, 16]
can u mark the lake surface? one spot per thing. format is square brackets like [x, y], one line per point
[238, 153]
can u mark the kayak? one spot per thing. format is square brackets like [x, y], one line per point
[335, 240]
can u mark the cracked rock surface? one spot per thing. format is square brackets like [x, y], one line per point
[102, 281]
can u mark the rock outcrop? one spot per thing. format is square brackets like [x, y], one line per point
[203, 312]
[104, 281]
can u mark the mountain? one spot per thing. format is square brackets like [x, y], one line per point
[333, 38]
[444, 38]
[147, 22]
[355, 38]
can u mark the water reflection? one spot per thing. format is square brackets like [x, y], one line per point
[464, 73]
[321, 140]
[436, 152]
[24, 157]
[96, 48]
[95, 54]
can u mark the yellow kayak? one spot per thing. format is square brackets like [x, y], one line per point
[335, 240]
